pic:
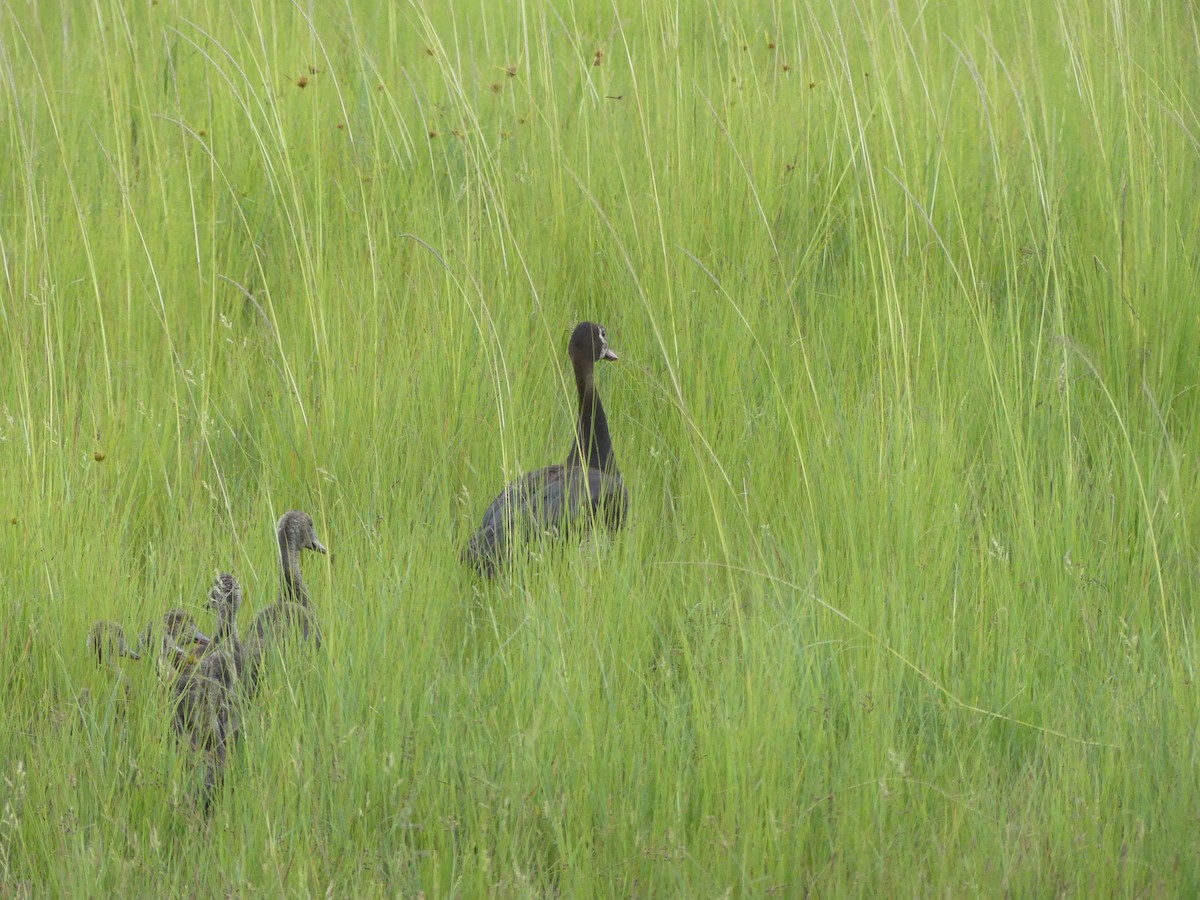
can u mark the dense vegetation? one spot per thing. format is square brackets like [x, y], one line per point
[906, 304]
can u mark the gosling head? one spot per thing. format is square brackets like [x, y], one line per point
[296, 532]
[590, 342]
[181, 645]
[179, 628]
[106, 640]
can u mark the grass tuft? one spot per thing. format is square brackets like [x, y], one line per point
[907, 378]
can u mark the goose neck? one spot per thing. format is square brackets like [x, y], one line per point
[593, 446]
[293, 587]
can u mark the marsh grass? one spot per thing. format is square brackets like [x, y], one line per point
[906, 405]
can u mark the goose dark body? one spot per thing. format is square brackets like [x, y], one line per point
[560, 500]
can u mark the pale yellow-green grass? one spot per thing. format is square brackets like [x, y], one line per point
[906, 303]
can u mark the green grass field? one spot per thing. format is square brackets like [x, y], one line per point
[906, 303]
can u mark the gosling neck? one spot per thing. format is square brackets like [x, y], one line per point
[230, 642]
[293, 587]
[227, 632]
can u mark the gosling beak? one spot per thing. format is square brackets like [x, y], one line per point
[201, 638]
[131, 653]
[318, 546]
[608, 354]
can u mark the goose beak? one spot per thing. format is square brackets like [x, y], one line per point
[608, 354]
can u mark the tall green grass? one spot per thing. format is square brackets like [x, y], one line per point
[906, 306]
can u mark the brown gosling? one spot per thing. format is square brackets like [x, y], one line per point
[174, 641]
[106, 641]
[291, 616]
[208, 691]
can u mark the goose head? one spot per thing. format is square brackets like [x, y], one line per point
[296, 533]
[107, 641]
[589, 344]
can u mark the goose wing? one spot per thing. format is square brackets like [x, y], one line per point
[521, 494]
[577, 500]
[550, 502]
[488, 546]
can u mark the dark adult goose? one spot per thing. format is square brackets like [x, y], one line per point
[290, 617]
[207, 692]
[562, 499]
